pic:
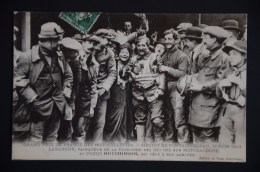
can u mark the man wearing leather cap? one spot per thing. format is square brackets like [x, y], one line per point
[205, 105]
[50, 82]
[233, 90]
[106, 77]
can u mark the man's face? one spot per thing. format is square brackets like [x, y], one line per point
[160, 49]
[97, 47]
[232, 33]
[169, 41]
[124, 54]
[236, 58]
[128, 26]
[51, 44]
[190, 44]
[209, 41]
[104, 41]
[182, 34]
[88, 46]
[142, 47]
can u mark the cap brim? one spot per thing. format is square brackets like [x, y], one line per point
[230, 27]
[42, 36]
[193, 37]
[229, 48]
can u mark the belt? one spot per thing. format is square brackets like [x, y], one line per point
[140, 88]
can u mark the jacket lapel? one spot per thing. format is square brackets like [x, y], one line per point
[37, 65]
[61, 63]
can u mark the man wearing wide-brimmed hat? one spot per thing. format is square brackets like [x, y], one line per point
[50, 81]
[205, 105]
[233, 90]
[182, 29]
[232, 27]
[197, 48]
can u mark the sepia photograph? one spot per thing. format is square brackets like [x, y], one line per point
[129, 86]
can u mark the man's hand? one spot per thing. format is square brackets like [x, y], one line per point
[140, 32]
[158, 92]
[224, 83]
[20, 81]
[91, 112]
[66, 92]
[101, 91]
[196, 87]
[154, 36]
[163, 68]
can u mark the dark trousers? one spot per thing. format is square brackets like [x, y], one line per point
[46, 130]
[205, 135]
[150, 115]
[177, 127]
[97, 123]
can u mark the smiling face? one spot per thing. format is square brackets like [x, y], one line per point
[236, 58]
[142, 47]
[169, 41]
[124, 54]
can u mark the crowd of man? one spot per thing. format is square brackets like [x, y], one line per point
[119, 86]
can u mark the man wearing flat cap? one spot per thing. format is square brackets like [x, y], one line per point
[175, 65]
[205, 105]
[233, 90]
[84, 93]
[50, 82]
[232, 27]
[106, 77]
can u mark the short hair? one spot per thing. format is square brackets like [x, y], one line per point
[138, 39]
[173, 32]
[128, 47]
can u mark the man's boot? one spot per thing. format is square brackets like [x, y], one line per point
[158, 134]
[140, 130]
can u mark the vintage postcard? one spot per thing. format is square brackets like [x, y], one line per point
[129, 86]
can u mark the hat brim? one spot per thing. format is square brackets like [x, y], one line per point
[43, 36]
[180, 30]
[231, 28]
[229, 48]
[193, 37]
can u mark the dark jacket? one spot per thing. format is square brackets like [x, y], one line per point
[87, 94]
[178, 63]
[205, 105]
[195, 58]
[107, 71]
[31, 65]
